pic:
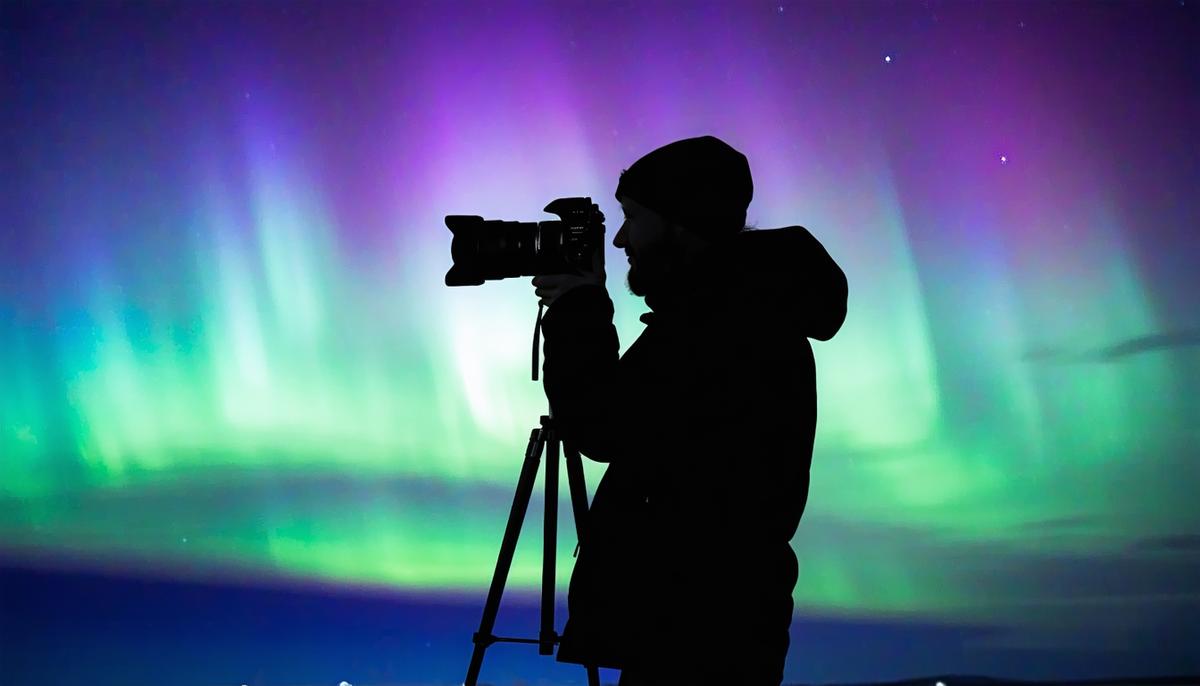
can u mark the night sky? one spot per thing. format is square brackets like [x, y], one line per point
[248, 436]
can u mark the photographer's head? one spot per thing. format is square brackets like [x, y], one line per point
[656, 247]
[677, 200]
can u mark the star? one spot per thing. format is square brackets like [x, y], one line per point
[1004, 159]
[887, 58]
[781, 9]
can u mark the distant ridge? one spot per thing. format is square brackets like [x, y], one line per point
[975, 680]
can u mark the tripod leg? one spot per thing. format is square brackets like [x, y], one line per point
[516, 516]
[579, 507]
[547, 638]
[579, 498]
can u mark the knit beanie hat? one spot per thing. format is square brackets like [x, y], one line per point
[700, 183]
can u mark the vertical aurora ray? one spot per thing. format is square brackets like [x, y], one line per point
[226, 348]
[26, 432]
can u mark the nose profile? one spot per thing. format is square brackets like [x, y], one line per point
[619, 239]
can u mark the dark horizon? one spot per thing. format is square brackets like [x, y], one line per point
[117, 629]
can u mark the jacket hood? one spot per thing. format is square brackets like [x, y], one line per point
[784, 274]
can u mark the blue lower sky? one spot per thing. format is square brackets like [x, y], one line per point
[75, 629]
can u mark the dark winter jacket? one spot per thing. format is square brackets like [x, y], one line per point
[707, 426]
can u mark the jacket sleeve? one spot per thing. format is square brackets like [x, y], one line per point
[590, 397]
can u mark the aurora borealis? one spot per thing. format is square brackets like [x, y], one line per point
[227, 353]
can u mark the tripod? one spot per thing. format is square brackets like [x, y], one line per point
[544, 435]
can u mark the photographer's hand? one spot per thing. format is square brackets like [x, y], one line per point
[549, 287]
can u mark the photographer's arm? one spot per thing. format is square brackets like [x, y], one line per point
[581, 373]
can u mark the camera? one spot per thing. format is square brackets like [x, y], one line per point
[492, 249]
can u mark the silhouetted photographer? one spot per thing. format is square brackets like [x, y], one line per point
[685, 573]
